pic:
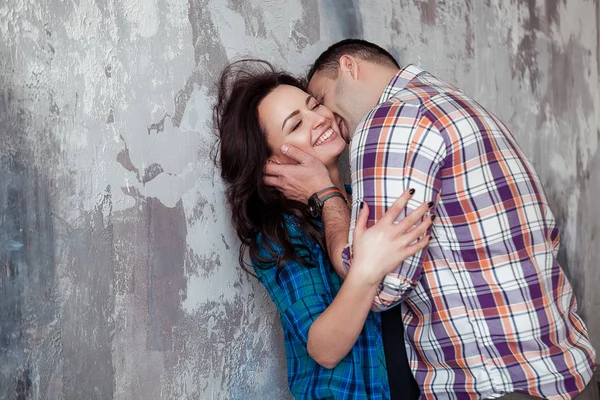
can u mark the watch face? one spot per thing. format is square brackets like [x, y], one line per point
[313, 207]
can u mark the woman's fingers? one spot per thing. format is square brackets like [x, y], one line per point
[379, 249]
[413, 249]
[361, 219]
[394, 211]
[414, 217]
[418, 231]
[414, 240]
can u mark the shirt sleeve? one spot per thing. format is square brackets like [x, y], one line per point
[299, 293]
[394, 150]
[555, 239]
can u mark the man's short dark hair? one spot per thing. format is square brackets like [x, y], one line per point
[328, 61]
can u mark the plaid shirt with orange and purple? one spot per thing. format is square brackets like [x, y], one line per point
[488, 311]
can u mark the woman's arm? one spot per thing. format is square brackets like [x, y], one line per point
[336, 330]
[377, 251]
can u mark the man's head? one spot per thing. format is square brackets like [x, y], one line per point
[349, 78]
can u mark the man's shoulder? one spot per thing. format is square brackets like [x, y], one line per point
[421, 93]
[410, 99]
[420, 90]
[393, 108]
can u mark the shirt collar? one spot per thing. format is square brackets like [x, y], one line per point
[399, 81]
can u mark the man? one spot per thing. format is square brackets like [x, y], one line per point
[486, 307]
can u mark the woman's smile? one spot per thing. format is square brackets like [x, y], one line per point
[328, 136]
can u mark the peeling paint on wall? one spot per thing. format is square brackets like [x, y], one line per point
[118, 264]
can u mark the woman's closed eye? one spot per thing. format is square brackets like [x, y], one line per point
[315, 104]
[296, 125]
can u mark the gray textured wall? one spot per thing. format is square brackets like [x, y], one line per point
[118, 272]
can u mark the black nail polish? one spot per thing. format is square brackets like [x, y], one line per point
[430, 204]
[432, 218]
[411, 191]
[362, 204]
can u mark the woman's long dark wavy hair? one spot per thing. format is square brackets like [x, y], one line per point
[243, 151]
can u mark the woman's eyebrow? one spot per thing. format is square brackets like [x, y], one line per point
[293, 113]
[310, 96]
[288, 117]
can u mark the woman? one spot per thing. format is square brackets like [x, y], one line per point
[333, 342]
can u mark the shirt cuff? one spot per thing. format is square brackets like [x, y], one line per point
[393, 290]
[347, 257]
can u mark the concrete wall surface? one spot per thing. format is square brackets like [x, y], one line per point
[118, 264]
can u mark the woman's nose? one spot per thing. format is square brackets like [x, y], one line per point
[318, 120]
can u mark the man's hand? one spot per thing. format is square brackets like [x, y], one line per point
[298, 181]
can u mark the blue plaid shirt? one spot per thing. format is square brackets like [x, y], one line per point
[301, 294]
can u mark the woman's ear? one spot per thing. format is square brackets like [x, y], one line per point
[274, 160]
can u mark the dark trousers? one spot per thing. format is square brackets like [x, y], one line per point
[402, 382]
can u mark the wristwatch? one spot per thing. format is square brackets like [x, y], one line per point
[316, 201]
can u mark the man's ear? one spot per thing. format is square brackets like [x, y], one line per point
[349, 65]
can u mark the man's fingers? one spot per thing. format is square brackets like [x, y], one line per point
[271, 180]
[296, 154]
[392, 213]
[273, 169]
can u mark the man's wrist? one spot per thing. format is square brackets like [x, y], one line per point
[333, 202]
[311, 190]
[317, 200]
[319, 187]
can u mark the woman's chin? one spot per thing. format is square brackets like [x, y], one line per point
[331, 157]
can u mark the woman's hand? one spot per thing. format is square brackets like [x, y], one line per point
[379, 249]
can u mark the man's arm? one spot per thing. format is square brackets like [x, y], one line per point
[395, 150]
[299, 182]
[336, 219]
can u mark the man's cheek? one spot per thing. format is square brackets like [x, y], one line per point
[344, 132]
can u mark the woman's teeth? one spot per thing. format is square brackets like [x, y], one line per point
[324, 137]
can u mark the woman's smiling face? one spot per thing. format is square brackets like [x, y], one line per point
[291, 116]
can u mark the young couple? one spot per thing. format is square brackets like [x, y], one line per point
[435, 274]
